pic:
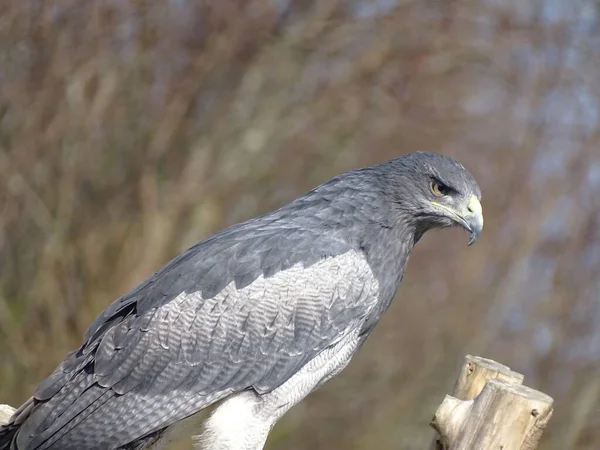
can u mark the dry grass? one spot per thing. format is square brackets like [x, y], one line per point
[130, 130]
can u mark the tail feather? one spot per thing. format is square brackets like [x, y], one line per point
[7, 434]
[11, 420]
[7, 427]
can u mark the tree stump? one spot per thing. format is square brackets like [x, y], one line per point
[491, 409]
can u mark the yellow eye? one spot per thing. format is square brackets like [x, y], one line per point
[439, 189]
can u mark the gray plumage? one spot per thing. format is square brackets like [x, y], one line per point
[287, 296]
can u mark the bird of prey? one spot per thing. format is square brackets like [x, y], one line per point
[257, 316]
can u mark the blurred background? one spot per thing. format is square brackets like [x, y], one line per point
[131, 129]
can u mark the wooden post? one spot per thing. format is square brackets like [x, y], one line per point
[490, 409]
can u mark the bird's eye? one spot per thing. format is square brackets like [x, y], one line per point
[439, 189]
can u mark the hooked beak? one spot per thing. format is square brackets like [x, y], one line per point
[470, 218]
[473, 219]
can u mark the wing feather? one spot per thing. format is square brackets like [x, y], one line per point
[147, 367]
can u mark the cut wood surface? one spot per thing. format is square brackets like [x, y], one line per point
[476, 372]
[491, 409]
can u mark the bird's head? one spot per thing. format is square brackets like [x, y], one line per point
[437, 191]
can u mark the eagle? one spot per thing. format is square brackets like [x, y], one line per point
[254, 318]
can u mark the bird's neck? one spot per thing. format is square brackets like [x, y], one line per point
[358, 210]
[387, 251]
